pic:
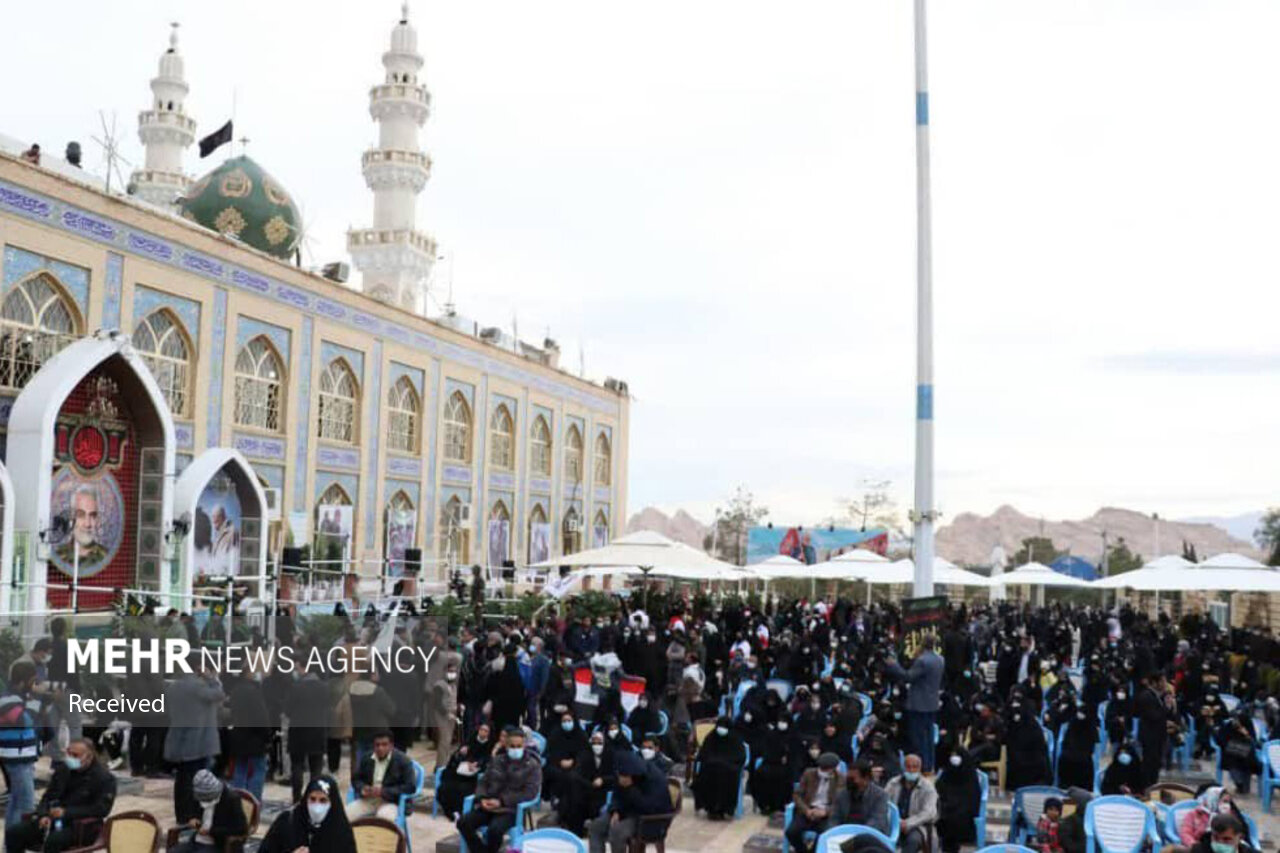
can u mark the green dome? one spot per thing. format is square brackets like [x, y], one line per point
[240, 199]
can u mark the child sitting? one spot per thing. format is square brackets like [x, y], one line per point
[1047, 828]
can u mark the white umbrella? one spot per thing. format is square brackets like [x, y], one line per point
[859, 555]
[850, 566]
[1157, 568]
[1038, 574]
[650, 553]
[1220, 573]
[780, 566]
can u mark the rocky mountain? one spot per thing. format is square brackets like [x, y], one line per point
[1240, 526]
[681, 526]
[969, 538]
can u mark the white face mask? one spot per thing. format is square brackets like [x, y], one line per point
[955, 761]
[721, 730]
[782, 725]
[317, 811]
[648, 753]
[451, 676]
[597, 748]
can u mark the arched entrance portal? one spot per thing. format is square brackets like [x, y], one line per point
[221, 505]
[90, 448]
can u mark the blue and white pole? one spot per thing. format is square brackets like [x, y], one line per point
[923, 516]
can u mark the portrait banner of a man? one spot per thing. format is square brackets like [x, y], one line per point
[94, 511]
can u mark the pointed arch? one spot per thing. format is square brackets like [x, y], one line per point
[573, 456]
[165, 346]
[260, 383]
[539, 538]
[334, 525]
[403, 418]
[499, 533]
[337, 413]
[38, 318]
[401, 530]
[502, 445]
[600, 530]
[457, 428]
[571, 531]
[603, 461]
[540, 447]
[455, 537]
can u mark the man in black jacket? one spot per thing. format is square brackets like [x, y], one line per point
[221, 817]
[380, 779]
[81, 788]
[642, 790]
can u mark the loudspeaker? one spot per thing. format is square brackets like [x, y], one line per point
[412, 560]
[291, 558]
[508, 570]
[564, 571]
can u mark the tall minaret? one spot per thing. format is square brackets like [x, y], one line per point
[166, 131]
[394, 257]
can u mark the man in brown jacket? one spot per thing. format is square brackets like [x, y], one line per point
[815, 802]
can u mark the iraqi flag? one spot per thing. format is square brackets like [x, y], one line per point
[587, 689]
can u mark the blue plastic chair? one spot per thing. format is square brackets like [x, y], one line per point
[1007, 848]
[1230, 702]
[517, 829]
[1117, 824]
[550, 840]
[540, 742]
[830, 841]
[1028, 806]
[895, 822]
[781, 686]
[665, 721]
[867, 704]
[1270, 779]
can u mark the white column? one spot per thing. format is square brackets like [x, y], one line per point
[924, 515]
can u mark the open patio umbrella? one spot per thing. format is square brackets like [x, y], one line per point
[1156, 568]
[1038, 574]
[778, 567]
[1220, 573]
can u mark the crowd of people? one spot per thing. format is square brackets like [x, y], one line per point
[812, 708]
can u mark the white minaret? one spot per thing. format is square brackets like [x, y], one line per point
[393, 256]
[166, 131]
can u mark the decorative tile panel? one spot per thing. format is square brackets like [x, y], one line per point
[328, 456]
[404, 466]
[373, 413]
[259, 446]
[540, 484]
[273, 474]
[415, 375]
[304, 417]
[602, 493]
[248, 328]
[502, 480]
[6, 408]
[19, 264]
[147, 300]
[184, 435]
[432, 407]
[115, 285]
[218, 358]
[457, 474]
[329, 352]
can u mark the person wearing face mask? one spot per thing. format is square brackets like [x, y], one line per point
[1214, 800]
[720, 761]
[771, 779]
[959, 798]
[505, 689]
[564, 743]
[643, 719]
[513, 777]
[815, 802]
[917, 802]
[595, 775]
[192, 701]
[316, 824]
[614, 737]
[221, 817]
[1124, 774]
[1119, 715]
[463, 770]
[20, 712]
[1075, 759]
[835, 741]
[1155, 711]
[79, 797]
[1226, 835]
[924, 685]
[651, 751]
[1028, 753]
[642, 790]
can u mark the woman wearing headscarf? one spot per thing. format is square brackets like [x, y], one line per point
[721, 758]
[505, 689]
[462, 772]
[770, 781]
[1027, 753]
[1119, 715]
[835, 741]
[564, 743]
[317, 822]
[584, 791]
[1124, 774]
[1212, 801]
[959, 798]
[1239, 748]
[614, 737]
[1075, 760]
[643, 719]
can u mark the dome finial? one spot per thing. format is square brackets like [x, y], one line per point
[404, 12]
[173, 37]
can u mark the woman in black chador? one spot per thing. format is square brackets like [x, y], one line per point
[317, 822]
[720, 761]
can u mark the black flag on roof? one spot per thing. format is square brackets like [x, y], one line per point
[215, 140]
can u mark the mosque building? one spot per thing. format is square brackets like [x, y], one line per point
[181, 405]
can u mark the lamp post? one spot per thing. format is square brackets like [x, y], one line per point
[924, 515]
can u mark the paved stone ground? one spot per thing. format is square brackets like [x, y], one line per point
[689, 834]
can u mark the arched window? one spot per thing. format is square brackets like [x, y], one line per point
[499, 534]
[37, 320]
[260, 386]
[539, 540]
[455, 539]
[603, 461]
[502, 439]
[572, 532]
[573, 457]
[540, 447]
[162, 342]
[339, 401]
[402, 419]
[600, 531]
[401, 531]
[457, 429]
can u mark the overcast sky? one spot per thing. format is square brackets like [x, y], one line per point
[716, 199]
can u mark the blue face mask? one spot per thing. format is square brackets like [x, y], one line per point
[721, 730]
[910, 775]
[515, 753]
[1124, 758]
[567, 725]
[1222, 847]
[72, 762]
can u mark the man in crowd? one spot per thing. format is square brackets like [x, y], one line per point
[917, 802]
[642, 791]
[815, 802]
[19, 740]
[924, 686]
[79, 797]
[513, 776]
[379, 780]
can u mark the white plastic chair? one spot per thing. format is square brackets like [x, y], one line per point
[1116, 824]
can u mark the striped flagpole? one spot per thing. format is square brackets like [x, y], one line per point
[923, 515]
